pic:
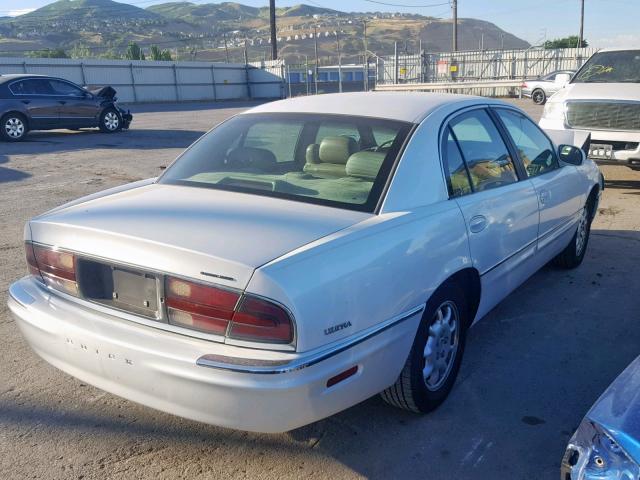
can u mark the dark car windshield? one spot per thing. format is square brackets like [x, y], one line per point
[335, 160]
[611, 67]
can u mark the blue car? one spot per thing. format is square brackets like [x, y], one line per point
[606, 445]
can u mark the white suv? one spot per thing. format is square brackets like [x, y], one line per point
[603, 98]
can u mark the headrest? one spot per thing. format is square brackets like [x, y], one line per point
[312, 155]
[336, 149]
[365, 165]
[259, 158]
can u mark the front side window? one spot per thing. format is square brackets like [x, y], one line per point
[534, 148]
[314, 158]
[66, 89]
[483, 150]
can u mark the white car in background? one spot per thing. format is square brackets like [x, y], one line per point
[541, 88]
[305, 255]
[603, 98]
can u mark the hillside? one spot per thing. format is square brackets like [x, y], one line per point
[217, 31]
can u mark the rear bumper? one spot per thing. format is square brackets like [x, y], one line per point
[160, 369]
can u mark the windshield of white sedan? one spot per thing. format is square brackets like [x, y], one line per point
[335, 160]
[611, 67]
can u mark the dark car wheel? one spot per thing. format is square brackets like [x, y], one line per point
[432, 366]
[13, 127]
[573, 254]
[538, 96]
[110, 121]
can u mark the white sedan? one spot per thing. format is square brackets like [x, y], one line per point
[305, 255]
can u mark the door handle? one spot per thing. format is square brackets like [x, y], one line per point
[26, 102]
[544, 196]
[477, 223]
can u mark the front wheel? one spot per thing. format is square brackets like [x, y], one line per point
[13, 127]
[573, 255]
[538, 96]
[110, 121]
[433, 363]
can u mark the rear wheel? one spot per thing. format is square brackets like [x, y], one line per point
[538, 96]
[433, 363]
[13, 127]
[573, 255]
[110, 121]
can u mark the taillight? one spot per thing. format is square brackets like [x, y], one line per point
[198, 306]
[223, 312]
[524, 85]
[259, 320]
[57, 269]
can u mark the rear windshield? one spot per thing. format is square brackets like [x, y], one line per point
[611, 67]
[335, 160]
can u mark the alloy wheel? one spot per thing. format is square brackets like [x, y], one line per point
[581, 234]
[111, 121]
[442, 345]
[14, 127]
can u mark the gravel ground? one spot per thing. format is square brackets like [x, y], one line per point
[532, 368]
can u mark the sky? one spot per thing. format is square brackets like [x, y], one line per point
[608, 23]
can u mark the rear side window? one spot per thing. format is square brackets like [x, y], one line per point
[534, 148]
[458, 177]
[483, 150]
[31, 87]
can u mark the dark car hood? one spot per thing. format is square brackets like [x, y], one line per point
[107, 92]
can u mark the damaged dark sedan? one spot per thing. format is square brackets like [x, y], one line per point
[38, 102]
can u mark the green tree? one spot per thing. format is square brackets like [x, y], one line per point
[566, 42]
[157, 54]
[48, 53]
[80, 51]
[134, 52]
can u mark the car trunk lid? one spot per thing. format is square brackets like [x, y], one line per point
[205, 234]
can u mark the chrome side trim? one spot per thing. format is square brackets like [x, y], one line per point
[243, 365]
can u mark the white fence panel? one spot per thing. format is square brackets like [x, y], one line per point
[151, 81]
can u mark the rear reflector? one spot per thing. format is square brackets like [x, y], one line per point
[342, 376]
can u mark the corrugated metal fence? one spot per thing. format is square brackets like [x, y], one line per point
[479, 65]
[153, 81]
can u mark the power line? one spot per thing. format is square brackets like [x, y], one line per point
[408, 6]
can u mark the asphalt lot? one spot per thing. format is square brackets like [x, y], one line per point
[532, 367]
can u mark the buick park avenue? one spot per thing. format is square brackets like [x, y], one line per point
[305, 255]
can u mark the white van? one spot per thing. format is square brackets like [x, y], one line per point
[603, 98]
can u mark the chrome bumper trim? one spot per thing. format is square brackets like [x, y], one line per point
[243, 365]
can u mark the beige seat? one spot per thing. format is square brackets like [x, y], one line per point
[365, 165]
[329, 159]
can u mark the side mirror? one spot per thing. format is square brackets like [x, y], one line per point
[572, 155]
[562, 78]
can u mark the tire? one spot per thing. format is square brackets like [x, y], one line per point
[110, 121]
[416, 389]
[573, 255]
[539, 96]
[13, 127]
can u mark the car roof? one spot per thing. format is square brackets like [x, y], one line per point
[16, 76]
[404, 106]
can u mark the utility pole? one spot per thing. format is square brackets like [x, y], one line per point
[339, 60]
[315, 70]
[226, 49]
[581, 37]
[366, 58]
[272, 24]
[454, 7]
